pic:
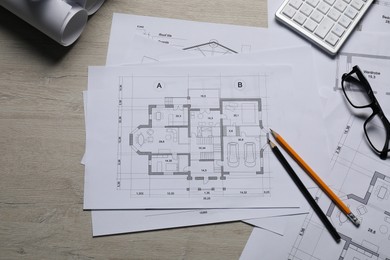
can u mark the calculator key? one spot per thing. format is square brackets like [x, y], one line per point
[345, 21]
[338, 30]
[310, 25]
[324, 28]
[323, 7]
[340, 5]
[313, 3]
[357, 4]
[327, 22]
[332, 39]
[334, 14]
[289, 11]
[306, 9]
[351, 13]
[299, 18]
[317, 16]
[295, 3]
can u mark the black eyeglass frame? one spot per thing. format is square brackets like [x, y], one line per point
[374, 105]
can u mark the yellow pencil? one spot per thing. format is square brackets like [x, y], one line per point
[316, 178]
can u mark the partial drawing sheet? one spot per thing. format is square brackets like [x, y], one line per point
[377, 18]
[198, 38]
[107, 222]
[121, 220]
[264, 38]
[358, 176]
[183, 137]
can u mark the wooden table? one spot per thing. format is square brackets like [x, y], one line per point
[42, 141]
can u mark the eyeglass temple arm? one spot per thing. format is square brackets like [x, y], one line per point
[385, 149]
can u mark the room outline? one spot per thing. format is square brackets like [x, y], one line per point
[369, 202]
[203, 139]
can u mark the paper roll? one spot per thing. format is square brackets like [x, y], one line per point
[61, 20]
[93, 5]
[90, 5]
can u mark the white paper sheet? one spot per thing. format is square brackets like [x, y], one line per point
[259, 237]
[277, 56]
[189, 137]
[107, 222]
[201, 39]
[377, 19]
[126, 221]
[274, 224]
[358, 176]
[269, 36]
[144, 50]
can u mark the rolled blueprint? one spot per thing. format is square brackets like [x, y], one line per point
[93, 5]
[90, 5]
[61, 20]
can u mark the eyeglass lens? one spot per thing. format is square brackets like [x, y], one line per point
[359, 94]
[356, 91]
[376, 132]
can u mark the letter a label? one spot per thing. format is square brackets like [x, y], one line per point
[159, 85]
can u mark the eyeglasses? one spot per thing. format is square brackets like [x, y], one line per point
[359, 94]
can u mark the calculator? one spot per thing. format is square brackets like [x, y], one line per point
[327, 23]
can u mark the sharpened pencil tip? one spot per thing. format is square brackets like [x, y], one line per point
[272, 132]
[271, 143]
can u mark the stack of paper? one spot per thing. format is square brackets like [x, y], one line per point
[177, 126]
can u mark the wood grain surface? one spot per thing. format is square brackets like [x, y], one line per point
[42, 141]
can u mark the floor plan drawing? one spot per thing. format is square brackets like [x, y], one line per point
[378, 18]
[357, 175]
[363, 181]
[373, 67]
[366, 191]
[374, 224]
[201, 137]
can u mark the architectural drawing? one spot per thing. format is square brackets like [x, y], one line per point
[363, 183]
[370, 202]
[374, 69]
[208, 48]
[211, 48]
[378, 18]
[201, 137]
